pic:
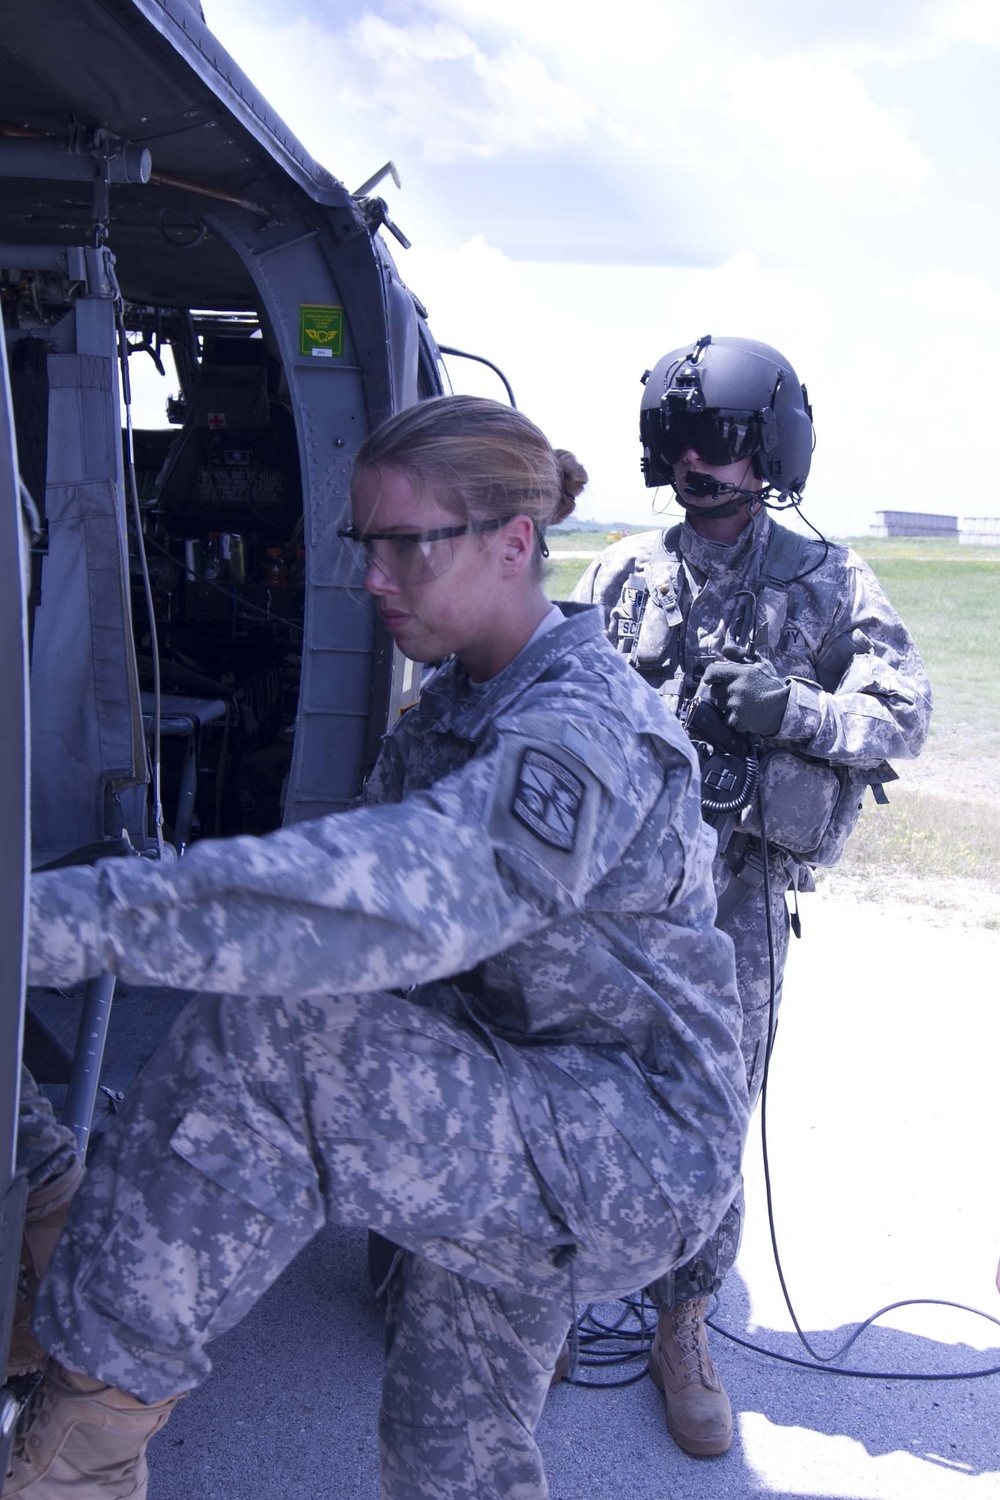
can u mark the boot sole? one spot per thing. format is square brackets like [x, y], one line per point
[697, 1447]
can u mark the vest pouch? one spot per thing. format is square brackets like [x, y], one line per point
[801, 799]
[848, 808]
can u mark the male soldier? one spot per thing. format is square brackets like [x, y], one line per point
[785, 659]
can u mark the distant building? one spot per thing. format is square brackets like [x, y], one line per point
[913, 523]
[971, 531]
[980, 531]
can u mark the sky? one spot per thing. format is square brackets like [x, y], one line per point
[588, 187]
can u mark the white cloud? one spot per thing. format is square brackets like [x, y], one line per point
[430, 89]
[951, 294]
[440, 88]
[824, 130]
[970, 21]
[670, 82]
[657, 94]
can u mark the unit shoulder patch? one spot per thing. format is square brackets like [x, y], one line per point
[548, 799]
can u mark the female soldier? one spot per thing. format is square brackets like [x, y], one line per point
[555, 1110]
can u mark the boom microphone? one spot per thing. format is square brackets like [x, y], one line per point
[704, 487]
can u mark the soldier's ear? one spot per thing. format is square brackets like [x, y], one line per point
[517, 541]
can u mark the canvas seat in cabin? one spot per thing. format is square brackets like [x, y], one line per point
[183, 718]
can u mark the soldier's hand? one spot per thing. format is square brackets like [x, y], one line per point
[749, 694]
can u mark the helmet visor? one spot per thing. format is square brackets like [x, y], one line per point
[718, 436]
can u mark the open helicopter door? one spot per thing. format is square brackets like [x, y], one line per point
[13, 875]
[86, 728]
[87, 746]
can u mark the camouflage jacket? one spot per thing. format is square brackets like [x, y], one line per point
[859, 694]
[537, 867]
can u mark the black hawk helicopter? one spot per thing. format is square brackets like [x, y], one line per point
[202, 658]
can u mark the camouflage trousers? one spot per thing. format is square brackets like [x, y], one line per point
[257, 1121]
[747, 926]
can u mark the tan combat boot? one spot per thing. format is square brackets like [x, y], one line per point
[564, 1361]
[699, 1416]
[44, 1216]
[85, 1441]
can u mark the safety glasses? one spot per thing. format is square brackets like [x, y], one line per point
[718, 436]
[409, 557]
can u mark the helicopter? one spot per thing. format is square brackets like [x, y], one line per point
[197, 652]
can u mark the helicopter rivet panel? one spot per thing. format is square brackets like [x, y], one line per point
[318, 294]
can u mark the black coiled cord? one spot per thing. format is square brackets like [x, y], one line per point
[739, 799]
[628, 1336]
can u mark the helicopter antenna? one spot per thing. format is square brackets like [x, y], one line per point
[389, 170]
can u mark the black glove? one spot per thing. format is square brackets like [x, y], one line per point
[749, 694]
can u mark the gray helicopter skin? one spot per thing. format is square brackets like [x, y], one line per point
[152, 199]
[14, 843]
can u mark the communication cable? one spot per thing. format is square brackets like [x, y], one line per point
[147, 587]
[816, 1360]
[629, 1335]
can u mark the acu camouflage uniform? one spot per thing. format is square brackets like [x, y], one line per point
[45, 1149]
[859, 697]
[556, 1109]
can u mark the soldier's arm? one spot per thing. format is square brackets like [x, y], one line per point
[586, 590]
[385, 784]
[877, 702]
[378, 897]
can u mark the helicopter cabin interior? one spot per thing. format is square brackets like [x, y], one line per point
[216, 529]
[203, 658]
[220, 496]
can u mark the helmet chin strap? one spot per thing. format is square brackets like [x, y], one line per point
[701, 486]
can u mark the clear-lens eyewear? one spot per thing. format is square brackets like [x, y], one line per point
[409, 557]
[718, 436]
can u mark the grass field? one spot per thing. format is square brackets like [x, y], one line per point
[563, 574]
[950, 598]
[938, 843]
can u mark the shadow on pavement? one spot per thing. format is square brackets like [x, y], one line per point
[950, 1423]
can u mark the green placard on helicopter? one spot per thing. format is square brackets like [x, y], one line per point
[321, 331]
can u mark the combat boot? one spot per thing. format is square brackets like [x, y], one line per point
[84, 1441]
[699, 1416]
[44, 1216]
[564, 1361]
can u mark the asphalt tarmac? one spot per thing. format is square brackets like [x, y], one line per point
[881, 1123]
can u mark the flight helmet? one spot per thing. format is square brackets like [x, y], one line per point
[728, 399]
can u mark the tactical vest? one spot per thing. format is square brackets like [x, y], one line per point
[650, 621]
[810, 805]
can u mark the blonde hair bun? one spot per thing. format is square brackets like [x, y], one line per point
[573, 477]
